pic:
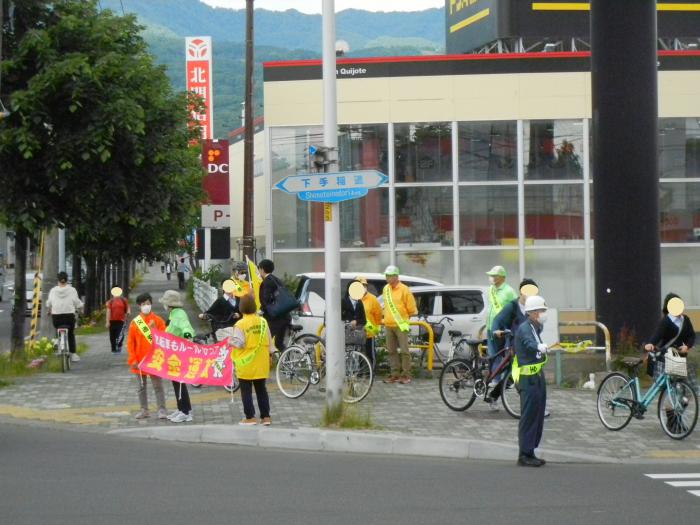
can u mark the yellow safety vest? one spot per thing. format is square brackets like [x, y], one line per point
[403, 324]
[243, 361]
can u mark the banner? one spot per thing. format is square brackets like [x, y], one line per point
[255, 280]
[187, 362]
[198, 56]
[215, 162]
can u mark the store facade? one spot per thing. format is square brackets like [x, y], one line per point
[488, 158]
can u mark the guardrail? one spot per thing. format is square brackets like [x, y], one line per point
[427, 346]
[204, 294]
[580, 347]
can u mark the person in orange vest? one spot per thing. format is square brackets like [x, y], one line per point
[399, 305]
[252, 342]
[373, 315]
[138, 344]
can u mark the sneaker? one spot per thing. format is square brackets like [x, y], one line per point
[404, 380]
[162, 414]
[74, 358]
[182, 418]
[248, 421]
[547, 413]
[267, 421]
[392, 379]
[493, 405]
[530, 461]
[142, 415]
[174, 414]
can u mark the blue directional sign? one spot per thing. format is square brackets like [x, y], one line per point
[332, 187]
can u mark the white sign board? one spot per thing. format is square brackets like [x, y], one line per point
[216, 216]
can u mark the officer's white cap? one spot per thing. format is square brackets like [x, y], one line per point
[535, 302]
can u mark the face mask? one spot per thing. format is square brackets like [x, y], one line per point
[492, 279]
[145, 309]
[242, 276]
[542, 318]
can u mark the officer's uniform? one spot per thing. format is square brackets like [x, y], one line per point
[532, 386]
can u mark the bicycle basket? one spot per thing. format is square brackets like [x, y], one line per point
[675, 365]
[438, 330]
[354, 336]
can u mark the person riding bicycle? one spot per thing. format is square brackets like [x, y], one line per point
[63, 305]
[674, 330]
[224, 312]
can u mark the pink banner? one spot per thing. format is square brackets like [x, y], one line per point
[187, 362]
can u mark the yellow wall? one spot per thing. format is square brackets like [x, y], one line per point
[462, 98]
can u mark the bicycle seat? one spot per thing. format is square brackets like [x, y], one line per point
[454, 333]
[296, 327]
[476, 341]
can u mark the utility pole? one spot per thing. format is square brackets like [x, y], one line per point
[49, 272]
[248, 147]
[335, 371]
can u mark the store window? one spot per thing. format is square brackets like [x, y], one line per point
[488, 215]
[363, 147]
[424, 216]
[559, 274]
[364, 223]
[473, 265]
[488, 151]
[289, 151]
[554, 213]
[679, 210]
[437, 265]
[553, 149]
[296, 223]
[423, 152]
[679, 147]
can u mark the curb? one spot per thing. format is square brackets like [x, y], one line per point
[312, 439]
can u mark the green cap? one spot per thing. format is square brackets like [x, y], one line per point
[499, 271]
[391, 270]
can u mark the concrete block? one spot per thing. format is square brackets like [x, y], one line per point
[493, 451]
[362, 442]
[189, 433]
[300, 439]
[231, 434]
[431, 446]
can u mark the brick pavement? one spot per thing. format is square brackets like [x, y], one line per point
[99, 394]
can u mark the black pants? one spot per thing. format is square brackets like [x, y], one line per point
[278, 329]
[260, 393]
[533, 398]
[371, 352]
[115, 335]
[181, 280]
[66, 321]
[182, 397]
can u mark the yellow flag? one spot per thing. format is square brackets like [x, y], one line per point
[255, 280]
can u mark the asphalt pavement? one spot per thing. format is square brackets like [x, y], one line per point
[52, 476]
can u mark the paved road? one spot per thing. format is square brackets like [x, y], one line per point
[61, 477]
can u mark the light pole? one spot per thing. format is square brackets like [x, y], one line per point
[248, 146]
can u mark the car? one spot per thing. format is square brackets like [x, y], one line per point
[311, 293]
[464, 304]
[28, 294]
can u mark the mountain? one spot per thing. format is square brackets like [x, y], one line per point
[279, 35]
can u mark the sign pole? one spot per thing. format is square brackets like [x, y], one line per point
[335, 363]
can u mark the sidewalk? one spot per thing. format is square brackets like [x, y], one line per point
[99, 395]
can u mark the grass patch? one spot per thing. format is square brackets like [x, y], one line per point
[91, 330]
[349, 416]
[4, 383]
[14, 365]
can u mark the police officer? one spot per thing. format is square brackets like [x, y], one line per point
[530, 357]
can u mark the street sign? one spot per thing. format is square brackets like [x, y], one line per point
[332, 187]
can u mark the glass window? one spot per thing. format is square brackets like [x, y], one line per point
[559, 274]
[553, 149]
[363, 147]
[436, 265]
[680, 273]
[423, 152]
[424, 216]
[488, 151]
[425, 301]
[290, 150]
[554, 213]
[679, 211]
[291, 264]
[364, 262]
[364, 222]
[473, 265]
[488, 215]
[296, 223]
[679, 147]
[462, 302]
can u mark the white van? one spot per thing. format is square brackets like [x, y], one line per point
[311, 292]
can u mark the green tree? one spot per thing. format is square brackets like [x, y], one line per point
[96, 141]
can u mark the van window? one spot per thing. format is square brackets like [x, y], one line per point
[462, 302]
[425, 301]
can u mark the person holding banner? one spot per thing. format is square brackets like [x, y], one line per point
[252, 342]
[399, 305]
[178, 325]
[138, 344]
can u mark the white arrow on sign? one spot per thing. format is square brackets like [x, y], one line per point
[342, 180]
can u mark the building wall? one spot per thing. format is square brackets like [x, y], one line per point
[484, 170]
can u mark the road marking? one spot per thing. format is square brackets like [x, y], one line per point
[695, 492]
[683, 483]
[694, 476]
[673, 476]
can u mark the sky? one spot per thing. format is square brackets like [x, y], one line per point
[314, 6]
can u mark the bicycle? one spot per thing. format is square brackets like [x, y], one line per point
[210, 338]
[61, 347]
[462, 380]
[619, 399]
[302, 364]
[421, 338]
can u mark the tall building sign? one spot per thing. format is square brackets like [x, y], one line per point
[198, 53]
[215, 213]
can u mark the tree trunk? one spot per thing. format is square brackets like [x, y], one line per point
[77, 275]
[90, 284]
[101, 282]
[19, 301]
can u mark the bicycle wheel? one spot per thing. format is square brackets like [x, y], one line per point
[615, 396]
[234, 386]
[293, 372]
[510, 397]
[358, 377]
[457, 385]
[678, 410]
